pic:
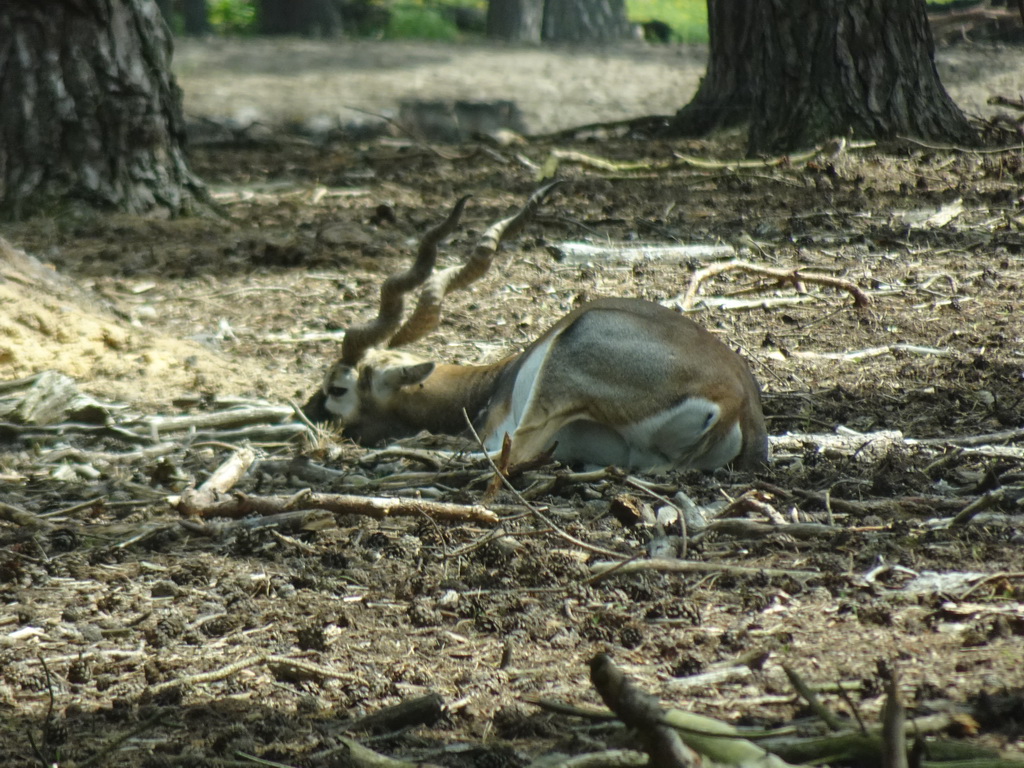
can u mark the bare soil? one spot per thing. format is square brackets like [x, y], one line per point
[113, 601]
[317, 83]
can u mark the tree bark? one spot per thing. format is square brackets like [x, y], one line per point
[517, 21]
[868, 67]
[725, 97]
[89, 110]
[805, 71]
[579, 21]
[167, 11]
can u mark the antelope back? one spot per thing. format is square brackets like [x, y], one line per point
[629, 382]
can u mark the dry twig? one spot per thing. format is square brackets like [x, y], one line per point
[533, 509]
[794, 275]
[268, 659]
[194, 500]
[605, 569]
[376, 507]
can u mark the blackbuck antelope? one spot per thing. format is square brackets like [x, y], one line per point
[618, 381]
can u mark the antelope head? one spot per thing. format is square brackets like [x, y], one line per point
[368, 389]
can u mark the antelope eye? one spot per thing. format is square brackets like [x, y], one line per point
[337, 391]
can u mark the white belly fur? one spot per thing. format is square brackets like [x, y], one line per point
[671, 438]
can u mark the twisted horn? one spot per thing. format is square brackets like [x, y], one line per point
[360, 338]
[427, 315]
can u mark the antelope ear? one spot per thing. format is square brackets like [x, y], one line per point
[416, 374]
[393, 377]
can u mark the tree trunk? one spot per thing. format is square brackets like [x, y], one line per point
[167, 11]
[868, 67]
[725, 97]
[313, 18]
[818, 69]
[89, 110]
[585, 21]
[197, 18]
[517, 21]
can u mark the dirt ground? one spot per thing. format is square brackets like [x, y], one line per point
[131, 637]
[323, 83]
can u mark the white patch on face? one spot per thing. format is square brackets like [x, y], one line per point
[342, 399]
[351, 392]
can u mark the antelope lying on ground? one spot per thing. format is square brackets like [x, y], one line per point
[618, 381]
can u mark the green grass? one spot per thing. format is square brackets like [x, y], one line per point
[688, 18]
[411, 21]
[416, 19]
[232, 17]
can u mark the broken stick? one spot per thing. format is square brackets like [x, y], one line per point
[377, 507]
[793, 275]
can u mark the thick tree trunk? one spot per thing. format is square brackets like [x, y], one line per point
[725, 97]
[804, 71]
[167, 11]
[313, 18]
[866, 67]
[585, 21]
[89, 110]
[517, 21]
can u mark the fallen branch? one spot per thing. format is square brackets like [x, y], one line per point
[965, 515]
[857, 355]
[826, 715]
[255, 434]
[14, 514]
[408, 713]
[229, 670]
[301, 468]
[379, 508]
[605, 252]
[1005, 101]
[300, 521]
[894, 721]
[1006, 436]
[233, 417]
[602, 568]
[895, 508]
[794, 276]
[854, 747]
[106, 457]
[223, 479]
[570, 710]
[640, 711]
[675, 732]
[996, 578]
[703, 681]
[866, 447]
[607, 758]
[629, 124]
[753, 529]
[351, 753]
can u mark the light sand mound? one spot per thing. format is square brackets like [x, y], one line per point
[48, 322]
